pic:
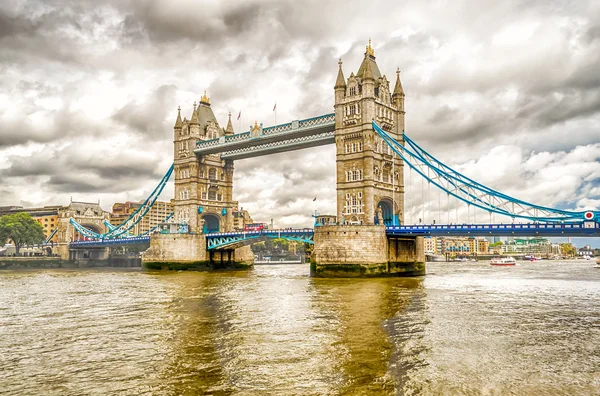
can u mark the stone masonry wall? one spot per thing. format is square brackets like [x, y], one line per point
[358, 244]
[184, 248]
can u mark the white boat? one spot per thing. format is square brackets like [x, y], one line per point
[503, 261]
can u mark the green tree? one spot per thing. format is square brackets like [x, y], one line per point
[281, 244]
[568, 249]
[21, 229]
[258, 247]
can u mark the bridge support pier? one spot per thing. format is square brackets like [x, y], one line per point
[364, 251]
[189, 252]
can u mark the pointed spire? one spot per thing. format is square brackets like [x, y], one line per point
[398, 88]
[178, 122]
[369, 51]
[340, 82]
[229, 129]
[205, 100]
[368, 73]
[194, 119]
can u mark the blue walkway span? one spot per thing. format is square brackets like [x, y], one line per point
[581, 229]
[231, 240]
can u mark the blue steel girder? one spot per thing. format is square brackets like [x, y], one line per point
[232, 240]
[574, 229]
[469, 191]
[134, 218]
[295, 135]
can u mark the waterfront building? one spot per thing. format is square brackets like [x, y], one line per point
[585, 251]
[528, 246]
[463, 245]
[430, 245]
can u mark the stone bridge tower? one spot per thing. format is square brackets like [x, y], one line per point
[203, 185]
[369, 175]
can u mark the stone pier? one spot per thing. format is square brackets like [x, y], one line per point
[188, 252]
[364, 251]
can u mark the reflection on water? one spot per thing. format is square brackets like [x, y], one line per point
[465, 328]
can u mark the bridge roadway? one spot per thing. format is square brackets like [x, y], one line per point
[295, 135]
[222, 240]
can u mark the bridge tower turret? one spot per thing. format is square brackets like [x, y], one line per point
[370, 182]
[203, 185]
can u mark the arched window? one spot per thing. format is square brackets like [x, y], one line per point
[212, 195]
[376, 173]
[212, 174]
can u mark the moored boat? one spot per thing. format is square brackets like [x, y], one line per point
[503, 261]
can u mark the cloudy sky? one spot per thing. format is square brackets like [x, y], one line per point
[507, 92]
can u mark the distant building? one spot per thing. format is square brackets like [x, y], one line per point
[462, 245]
[430, 245]
[528, 246]
[155, 216]
[240, 219]
[585, 251]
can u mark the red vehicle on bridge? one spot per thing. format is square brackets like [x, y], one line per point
[256, 227]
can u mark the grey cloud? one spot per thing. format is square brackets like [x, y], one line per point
[200, 22]
[147, 117]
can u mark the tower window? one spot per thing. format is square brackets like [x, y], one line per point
[212, 174]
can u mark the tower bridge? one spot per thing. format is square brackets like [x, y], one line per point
[369, 237]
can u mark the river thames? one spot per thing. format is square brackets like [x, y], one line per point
[465, 329]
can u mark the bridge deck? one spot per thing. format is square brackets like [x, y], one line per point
[222, 240]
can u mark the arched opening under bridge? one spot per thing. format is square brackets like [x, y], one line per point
[387, 212]
[77, 236]
[211, 223]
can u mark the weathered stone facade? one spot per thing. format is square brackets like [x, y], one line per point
[89, 215]
[204, 185]
[188, 251]
[365, 251]
[369, 175]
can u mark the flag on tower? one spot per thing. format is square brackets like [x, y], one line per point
[275, 107]
[239, 115]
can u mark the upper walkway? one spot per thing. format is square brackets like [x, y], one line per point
[295, 135]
